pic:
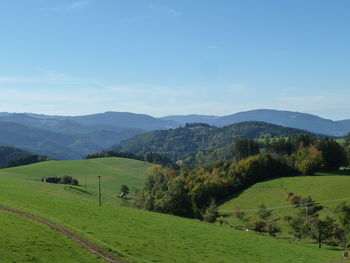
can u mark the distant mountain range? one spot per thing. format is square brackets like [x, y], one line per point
[111, 121]
[67, 137]
[291, 119]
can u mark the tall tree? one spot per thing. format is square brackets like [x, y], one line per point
[176, 200]
[307, 209]
[321, 229]
[309, 160]
[280, 146]
[347, 140]
[343, 212]
[333, 154]
[245, 147]
[347, 147]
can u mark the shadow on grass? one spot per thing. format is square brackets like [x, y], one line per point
[345, 172]
[241, 191]
[80, 190]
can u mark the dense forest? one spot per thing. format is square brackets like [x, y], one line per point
[11, 157]
[147, 157]
[198, 144]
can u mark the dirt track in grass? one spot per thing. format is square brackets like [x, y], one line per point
[93, 248]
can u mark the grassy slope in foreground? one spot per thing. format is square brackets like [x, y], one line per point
[148, 237]
[321, 187]
[23, 240]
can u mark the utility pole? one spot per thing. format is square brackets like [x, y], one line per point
[99, 190]
[306, 212]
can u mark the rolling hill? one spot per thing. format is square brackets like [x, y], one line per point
[135, 235]
[331, 187]
[114, 172]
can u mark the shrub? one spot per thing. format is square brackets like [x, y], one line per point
[211, 213]
[66, 179]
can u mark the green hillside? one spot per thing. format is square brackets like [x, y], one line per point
[113, 171]
[138, 235]
[321, 187]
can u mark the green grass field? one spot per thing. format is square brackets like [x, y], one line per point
[23, 240]
[321, 187]
[137, 235]
[114, 172]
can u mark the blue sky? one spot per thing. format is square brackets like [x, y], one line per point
[175, 57]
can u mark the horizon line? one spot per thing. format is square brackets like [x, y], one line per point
[172, 115]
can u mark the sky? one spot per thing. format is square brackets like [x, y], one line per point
[161, 57]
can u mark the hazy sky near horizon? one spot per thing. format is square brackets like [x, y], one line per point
[164, 57]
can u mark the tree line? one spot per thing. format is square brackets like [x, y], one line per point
[190, 192]
[149, 157]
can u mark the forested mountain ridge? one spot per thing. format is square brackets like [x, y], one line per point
[42, 141]
[195, 143]
[11, 156]
[58, 145]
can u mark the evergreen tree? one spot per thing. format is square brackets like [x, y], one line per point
[334, 154]
[245, 147]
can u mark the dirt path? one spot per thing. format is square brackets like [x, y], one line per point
[93, 248]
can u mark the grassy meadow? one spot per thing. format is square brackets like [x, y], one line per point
[137, 235]
[273, 193]
[113, 171]
[23, 240]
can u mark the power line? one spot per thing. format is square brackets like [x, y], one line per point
[99, 190]
[287, 206]
[279, 207]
